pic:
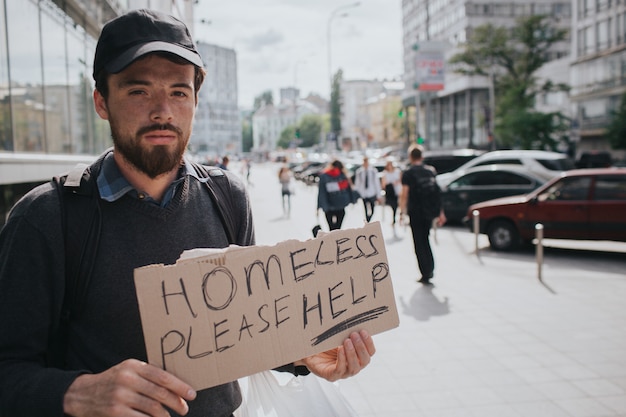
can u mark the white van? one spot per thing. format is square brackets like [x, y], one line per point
[544, 163]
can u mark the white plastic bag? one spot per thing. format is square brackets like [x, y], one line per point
[302, 396]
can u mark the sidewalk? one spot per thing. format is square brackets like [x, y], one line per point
[488, 339]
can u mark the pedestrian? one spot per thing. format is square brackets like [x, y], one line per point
[391, 182]
[147, 74]
[284, 177]
[335, 193]
[421, 200]
[224, 163]
[367, 184]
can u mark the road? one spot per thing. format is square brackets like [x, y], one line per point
[488, 339]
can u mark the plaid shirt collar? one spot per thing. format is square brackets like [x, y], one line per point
[113, 185]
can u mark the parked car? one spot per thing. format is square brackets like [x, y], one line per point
[450, 159]
[586, 204]
[483, 183]
[547, 164]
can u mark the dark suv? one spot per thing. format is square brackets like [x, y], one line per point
[586, 204]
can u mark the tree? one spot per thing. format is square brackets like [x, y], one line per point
[310, 128]
[246, 135]
[616, 131]
[265, 97]
[512, 58]
[335, 106]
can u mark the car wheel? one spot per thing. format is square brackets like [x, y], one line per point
[503, 235]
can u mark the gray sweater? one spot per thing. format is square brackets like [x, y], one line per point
[32, 268]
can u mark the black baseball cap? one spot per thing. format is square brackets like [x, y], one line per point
[139, 32]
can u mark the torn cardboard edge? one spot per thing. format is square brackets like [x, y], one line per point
[218, 315]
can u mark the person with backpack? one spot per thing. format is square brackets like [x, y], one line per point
[420, 199]
[334, 194]
[145, 203]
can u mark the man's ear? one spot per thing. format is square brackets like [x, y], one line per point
[100, 105]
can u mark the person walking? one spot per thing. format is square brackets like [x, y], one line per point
[152, 206]
[391, 182]
[367, 184]
[335, 193]
[421, 200]
[284, 177]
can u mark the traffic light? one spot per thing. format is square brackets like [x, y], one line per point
[420, 140]
[297, 132]
[401, 113]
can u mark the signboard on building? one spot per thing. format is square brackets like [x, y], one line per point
[429, 65]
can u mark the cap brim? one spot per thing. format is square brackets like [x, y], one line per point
[136, 52]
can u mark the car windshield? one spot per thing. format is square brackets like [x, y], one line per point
[560, 164]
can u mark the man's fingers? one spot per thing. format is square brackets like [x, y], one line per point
[163, 387]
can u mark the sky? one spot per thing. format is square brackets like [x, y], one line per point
[284, 43]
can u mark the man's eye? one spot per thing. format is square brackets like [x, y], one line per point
[180, 94]
[136, 92]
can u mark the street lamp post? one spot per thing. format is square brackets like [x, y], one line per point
[332, 15]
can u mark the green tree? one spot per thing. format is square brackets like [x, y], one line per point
[265, 97]
[512, 57]
[335, 105]
[310, 128]
[246, 135]
[616, 131]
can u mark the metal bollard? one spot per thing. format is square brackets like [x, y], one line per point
[476, 218]
[539, 249]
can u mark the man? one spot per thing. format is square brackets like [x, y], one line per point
[153, 206]
[367, 184]
[421, 199]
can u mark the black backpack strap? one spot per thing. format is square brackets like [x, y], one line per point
[219, 188]
[81, 224]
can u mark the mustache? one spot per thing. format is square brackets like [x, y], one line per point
[156, 126]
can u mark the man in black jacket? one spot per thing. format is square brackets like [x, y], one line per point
[421, 200]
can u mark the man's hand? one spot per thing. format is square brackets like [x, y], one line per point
[344, 361]
[131, 388]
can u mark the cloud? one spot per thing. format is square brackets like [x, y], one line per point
[258, 41]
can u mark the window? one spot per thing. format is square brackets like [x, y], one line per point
[568, 189]
[508, 161]
[610, 187]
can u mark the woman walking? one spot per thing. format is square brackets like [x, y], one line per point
[392, 185]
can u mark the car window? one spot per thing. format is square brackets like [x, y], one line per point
[508, 161]
[561, 164]
[490, 178]
[610, 187]
[567, 189]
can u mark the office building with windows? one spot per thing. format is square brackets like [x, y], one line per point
[455, 116]
[47, 118]
[598, 70]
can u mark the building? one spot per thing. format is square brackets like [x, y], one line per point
[455, 116]
[269, 121]
[217, 125]
[598, 70]
[371, 113]
[355, 120]
[47, 117]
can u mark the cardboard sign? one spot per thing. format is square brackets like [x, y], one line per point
[219, 315]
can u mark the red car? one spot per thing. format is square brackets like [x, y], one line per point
[586, 204]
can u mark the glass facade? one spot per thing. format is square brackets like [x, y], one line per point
[45, 82]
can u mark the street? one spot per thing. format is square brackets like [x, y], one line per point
[489, 338]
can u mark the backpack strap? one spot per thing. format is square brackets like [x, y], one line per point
[81, 225]
[219, 188]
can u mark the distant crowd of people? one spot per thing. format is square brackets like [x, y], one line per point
[413, 196]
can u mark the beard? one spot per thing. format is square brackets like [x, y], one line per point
[150, 160]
